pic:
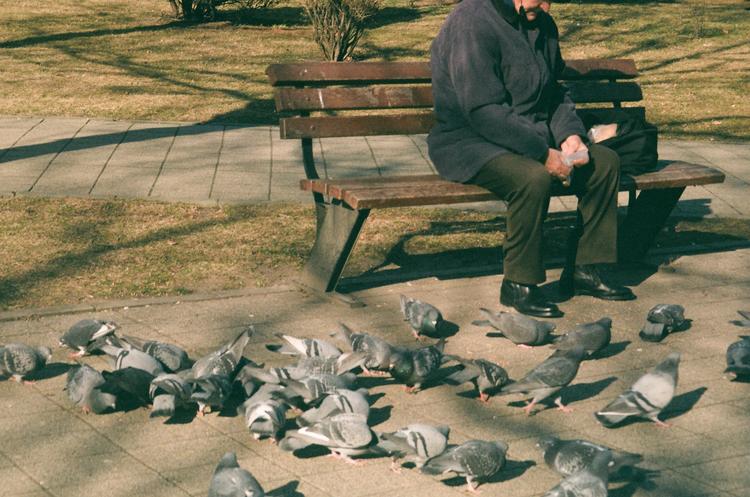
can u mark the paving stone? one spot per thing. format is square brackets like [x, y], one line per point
[16, 482]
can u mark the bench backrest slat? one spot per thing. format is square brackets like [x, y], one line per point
[330, 73]
[392, 97]
[339, 126]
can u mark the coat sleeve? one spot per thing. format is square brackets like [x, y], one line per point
[473, 65]
[564, 121]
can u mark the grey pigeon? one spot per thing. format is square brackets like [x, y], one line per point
[546, 379]
[315, 387]
[486, 376]
[82, 386]
[305, 347]
[86, 335]
[171, 357]
[589, 482]
[518, 328]
[265, 415]
[571, 456]
[224, 361]
[661, 320]
[344, 435]
[339, 401]
[744, 322]
[210, 392]
[18, 360]
[376, 350]
[172, 392]
[423, 318]
[651, 393]
[593, 337]
[327, 365]
[738, 359]
[254, 373]
[128, 356]
[229, 480]
[477, 460]
[415, 367]
[416, 442]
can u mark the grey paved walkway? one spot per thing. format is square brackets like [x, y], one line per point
[240, 164]
[49, 448]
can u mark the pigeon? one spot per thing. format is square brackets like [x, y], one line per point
[305, 347]
[82, 386]
[86, 335]
[171, 357]
[264, 414]
[339, 401]
[485, 375]
[744, 322]
[661, 320]
[571, 456]
[210, 392]
[414, 367]
[18, 360]
[422, 317]
[229, 480]
[477, 460]
[557, 371]
[129, 357]
[416, 442]
[331, 365]
[172, 391]
[738, 359]
[651, 393]
[518, 328]
[315, 387]
[593, 337]
[376, 350]
[130, 385]
[224, 361]
[344, 435]
[589, 482]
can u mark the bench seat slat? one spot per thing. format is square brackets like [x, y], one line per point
[401, 191]
[330, 73]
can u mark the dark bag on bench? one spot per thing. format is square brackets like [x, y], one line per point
[635, 142]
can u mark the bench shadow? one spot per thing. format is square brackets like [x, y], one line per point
[399, 265]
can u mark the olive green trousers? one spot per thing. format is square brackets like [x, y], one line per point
[525, 185]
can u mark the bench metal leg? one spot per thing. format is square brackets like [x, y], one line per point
[337, 230]
[646, 217]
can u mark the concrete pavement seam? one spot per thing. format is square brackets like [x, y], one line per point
[58, 154]
[218, 161]
[106, 162]
[19, 138]
[164, 160]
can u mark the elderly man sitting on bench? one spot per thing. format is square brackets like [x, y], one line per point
[506, 124]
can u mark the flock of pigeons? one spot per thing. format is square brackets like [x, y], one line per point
[333, 412]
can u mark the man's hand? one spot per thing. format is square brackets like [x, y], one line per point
[573, 144]
[555, 165]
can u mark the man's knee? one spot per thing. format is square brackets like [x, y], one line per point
[606, 161]
[537, 182]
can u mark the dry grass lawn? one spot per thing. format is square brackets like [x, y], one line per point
[131, 60]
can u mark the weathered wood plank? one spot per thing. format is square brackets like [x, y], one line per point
[332, 126]
[329, 73]
[371, 97]
[577, 69]
[400, 191]
[584, 92]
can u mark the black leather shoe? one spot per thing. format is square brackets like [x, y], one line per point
[585, 280]
[527, 299]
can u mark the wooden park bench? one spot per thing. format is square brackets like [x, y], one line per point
[330, 99]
